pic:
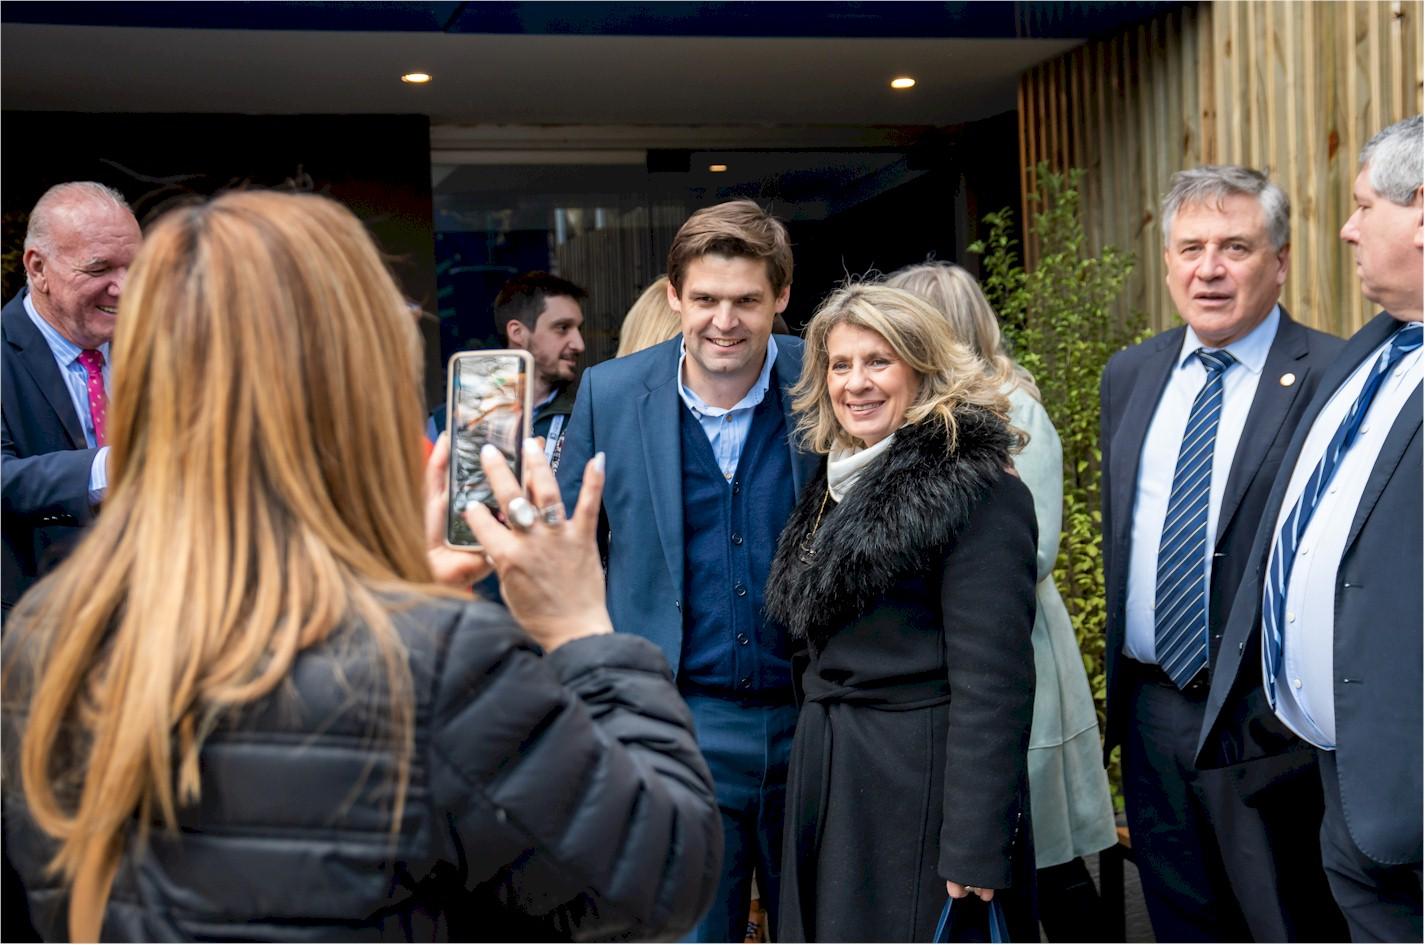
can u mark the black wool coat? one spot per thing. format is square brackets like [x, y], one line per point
[909, 764]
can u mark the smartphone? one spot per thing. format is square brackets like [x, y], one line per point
[488, 400]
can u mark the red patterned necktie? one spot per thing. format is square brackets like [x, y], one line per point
[93, 362]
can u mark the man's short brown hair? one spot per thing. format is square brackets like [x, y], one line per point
[523, 298]
[736, 228]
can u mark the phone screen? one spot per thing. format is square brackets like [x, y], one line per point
[488, 402]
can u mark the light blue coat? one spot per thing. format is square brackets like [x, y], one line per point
[1068, 788]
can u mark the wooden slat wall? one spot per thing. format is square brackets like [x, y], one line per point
[1292, 87]
[614, 265]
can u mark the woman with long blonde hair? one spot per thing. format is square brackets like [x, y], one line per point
[1068, 787]
[907, 569]
[243, 708]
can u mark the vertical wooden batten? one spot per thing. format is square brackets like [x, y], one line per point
[1294, 87]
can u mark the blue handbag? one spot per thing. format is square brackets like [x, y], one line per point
[998, 931]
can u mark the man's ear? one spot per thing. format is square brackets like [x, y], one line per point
[783, 298]
[1419, 205]
[516, 334]
[35, 265]
[675, 303]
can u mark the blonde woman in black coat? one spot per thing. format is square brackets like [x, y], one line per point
[908, 569]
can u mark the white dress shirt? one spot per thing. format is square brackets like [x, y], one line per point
[1304, 692]
[1159, 460]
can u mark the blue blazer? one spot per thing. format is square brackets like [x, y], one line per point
[46, 460]
[629, 409]
[1377, 648]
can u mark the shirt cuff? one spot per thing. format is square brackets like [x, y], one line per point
[99, 476]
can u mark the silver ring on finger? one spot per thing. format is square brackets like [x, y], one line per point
[522, 514]
[552, 514]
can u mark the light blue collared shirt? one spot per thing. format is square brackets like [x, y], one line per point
[76, 381]
[727, 428]
[1159, 461]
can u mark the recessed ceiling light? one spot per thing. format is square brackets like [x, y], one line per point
[902, 82]
[416, 78]
[717, 168]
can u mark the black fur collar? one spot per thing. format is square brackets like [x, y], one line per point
[903, 513]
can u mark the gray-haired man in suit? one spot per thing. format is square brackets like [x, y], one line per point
[1324, 641]
[78, 247]
[1194, 422]
[80, 242]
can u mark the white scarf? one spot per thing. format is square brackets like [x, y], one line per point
[844, 466]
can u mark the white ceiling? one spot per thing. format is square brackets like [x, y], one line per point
[520, 80]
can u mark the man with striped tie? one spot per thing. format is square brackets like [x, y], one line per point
[1193, 425]
[1325, 636]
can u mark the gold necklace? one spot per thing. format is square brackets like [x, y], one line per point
[808, 553]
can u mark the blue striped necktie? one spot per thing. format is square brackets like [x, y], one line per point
[1406, 340]
[1180, 603]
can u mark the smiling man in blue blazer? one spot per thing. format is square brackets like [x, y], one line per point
[702, 472]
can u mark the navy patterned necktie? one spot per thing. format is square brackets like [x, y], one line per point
[1407, 338]
[1180, 603]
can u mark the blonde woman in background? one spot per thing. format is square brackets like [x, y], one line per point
[1069, 798]
[244, 708]
[650, 321]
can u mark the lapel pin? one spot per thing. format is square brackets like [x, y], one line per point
[1288, 379]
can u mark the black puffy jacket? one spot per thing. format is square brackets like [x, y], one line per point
[551, 797]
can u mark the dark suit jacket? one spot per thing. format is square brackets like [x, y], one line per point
[629, 409]
[1133, 382]
[1377, 650]
[46, 461]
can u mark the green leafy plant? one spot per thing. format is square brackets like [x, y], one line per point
[1059, 322]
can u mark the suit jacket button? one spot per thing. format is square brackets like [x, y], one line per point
[1242, 647]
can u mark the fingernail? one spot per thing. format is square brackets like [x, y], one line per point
[599, 461]
[490, 451]
[531, 444]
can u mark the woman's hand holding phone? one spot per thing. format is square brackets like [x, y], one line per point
[549, 570]
[450, 566]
